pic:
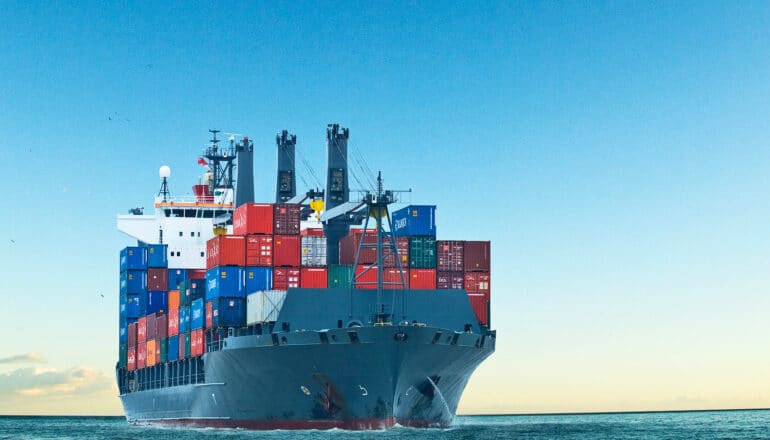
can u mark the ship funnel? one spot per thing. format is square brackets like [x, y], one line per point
[337, 189]
[244, 187]
[286, 187]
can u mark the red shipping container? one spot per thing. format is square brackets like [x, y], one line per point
[151, 350]
[259, 250]
[161, 327]
[226, 250]
[392, 278]
[182, 346]
[422, 278]
[313, 232]
[209, 314]
[131, 359]
[196, 342]
[450, 255]
[286, 251]
[480, 304]
[141, 329]
[196, 274]
[173, 322]
[450, 280]
[158, 358]
[285, 278]
[173, 299]
[349, 249]
[476, 256]
[314, 277]
[402, 245]
[477, 282]
[253, 218]
[151, 321]
[157, 279]
[286, 219]
[365, 279]
[141, 355]
[132, 335]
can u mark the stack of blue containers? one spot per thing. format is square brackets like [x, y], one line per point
[133, 294]
[226, 291]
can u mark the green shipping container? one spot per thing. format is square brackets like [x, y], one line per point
[164, 350]
[422, 252]
[340, 275]
[186, 345]
[122, 355]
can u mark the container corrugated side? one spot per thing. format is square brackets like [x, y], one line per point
[253, 218]
[313, 250]
[259, 278]
[133, 258]
[414, 220]
[259, 250]
[157, 255]
[157, 279]
[226, 250]
[340, 275]
[422, 252]
[285, 278]
[226, 282]
[476, 256]
[264, 306]
[228, 312]
[286, 219]
[450, 255]
[314, 277]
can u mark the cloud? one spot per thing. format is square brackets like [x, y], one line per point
[26, 358]
[42, 382]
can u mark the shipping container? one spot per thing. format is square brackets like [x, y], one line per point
[340, 275]
[196, 343]
[258, 278]
[449, 255]
[157, 301]
[226, 282]
[131, 359]
[450, 280]
[184, 346]
[389, 257]
[480, 304]
[173, 299]
[172, 348]
[208, 312]
[173, 322]
[133, 282]
[285, 277]
[141, 355]
[192, 290]
[157, 255]
[312, 232]
[133, 258]
[132, 306]
[184, 319]
[477, 282]
[422, 252]
[141, 329]
[226, 250]
[122, 355]
[253, 218]
[392, 278]
[122, 331]
[365, 279]
[349, 246]
[414, 220]
[161, 326]
[196, 315]
[313, 277]
[476, 256]
[151, 326]
[313, 251]
[286, 219]
[259, 250]
[151, 350]
[196, 274]
[163, 350]
[227, 312]
[157, 279]
[264, 306]
[131, 329]
[175, 278]
[286, 251]
[422, 278]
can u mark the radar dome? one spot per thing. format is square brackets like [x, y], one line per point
[164, 171]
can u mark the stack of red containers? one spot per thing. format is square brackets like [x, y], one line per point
[131, 358]
[476, 277]
[391, 277]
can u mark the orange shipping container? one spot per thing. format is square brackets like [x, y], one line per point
[392, 278]
[314, 277]
[253, 218]
[131, 359]
[226, 250]
[173, 299]
[151, 352]
[141, 355]
[196, 343]
[422, 278]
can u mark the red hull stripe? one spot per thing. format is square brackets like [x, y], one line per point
[352, 424]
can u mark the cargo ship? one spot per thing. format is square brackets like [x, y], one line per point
[317, 310]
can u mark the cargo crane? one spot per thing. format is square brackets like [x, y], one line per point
[286, 184]
[337, 193]
[244, 189]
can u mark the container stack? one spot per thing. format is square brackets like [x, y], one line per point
[417, 223]
[133, 302]
[476, 266]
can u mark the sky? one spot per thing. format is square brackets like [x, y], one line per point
[617, 155]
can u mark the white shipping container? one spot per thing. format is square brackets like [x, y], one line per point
[313, 251]
[264, 306]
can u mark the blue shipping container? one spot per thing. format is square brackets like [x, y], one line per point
[414, 220]
[133, 258]
[173, 348]
[228, 312]
[225, 282]
[123, 331]
[157, 301]
[132, 306]
[184, 319]
[259, 278]
[196, 315]
[157, 255]
[133, 282]
[175, 278]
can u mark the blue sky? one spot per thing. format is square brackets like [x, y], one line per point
[616, 154]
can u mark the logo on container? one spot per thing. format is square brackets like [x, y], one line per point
[212, 284]
[399, 224]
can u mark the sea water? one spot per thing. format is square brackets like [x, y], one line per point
[753, 424]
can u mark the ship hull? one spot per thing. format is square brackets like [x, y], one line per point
[355, 378]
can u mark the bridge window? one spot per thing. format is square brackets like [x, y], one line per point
[180, 233]
[192, 234]
[178, 253]
[202, 254]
